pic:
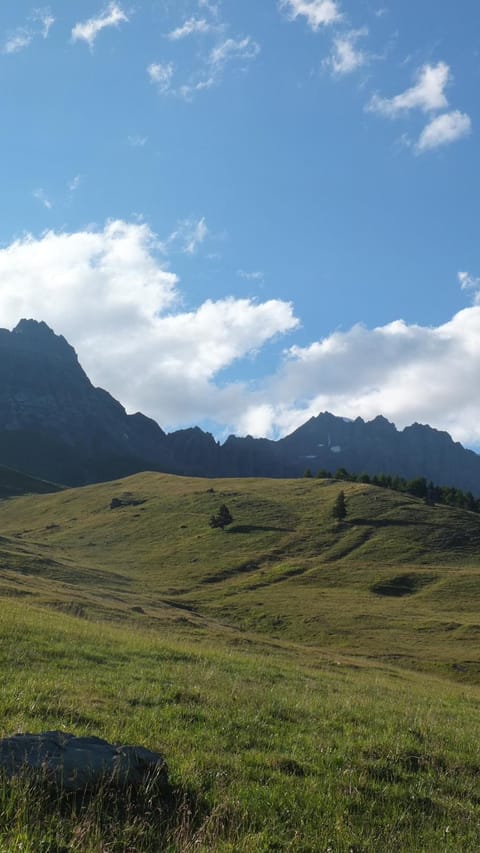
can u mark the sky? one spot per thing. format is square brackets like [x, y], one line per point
[242, 213]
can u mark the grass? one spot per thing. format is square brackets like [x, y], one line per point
[313, 686]
[285, 750]
[284, 568]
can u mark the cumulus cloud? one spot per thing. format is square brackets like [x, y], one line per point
[406, 372]
[318, 13]
[109, 292]
[346, 56]
[427, 94]
[112, 16]
[443, 130]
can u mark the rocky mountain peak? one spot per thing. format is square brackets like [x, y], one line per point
[37, 336]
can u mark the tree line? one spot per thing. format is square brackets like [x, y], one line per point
[419, 487]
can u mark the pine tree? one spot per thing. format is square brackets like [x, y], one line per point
[339, 510]
[222, 519]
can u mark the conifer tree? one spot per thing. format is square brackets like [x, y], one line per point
[339, 510]
[222, 519]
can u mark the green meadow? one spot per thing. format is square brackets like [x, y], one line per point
[312, 684]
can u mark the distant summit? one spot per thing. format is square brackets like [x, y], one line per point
[56, 425]
[377, 446]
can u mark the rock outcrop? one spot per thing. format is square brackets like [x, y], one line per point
[76, 764]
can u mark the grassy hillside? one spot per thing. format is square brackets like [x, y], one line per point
[270, 747]
[313, 685]
[397, 581]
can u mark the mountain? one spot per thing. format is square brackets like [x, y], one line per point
[13, 483]
[377, 446]
[55, 425]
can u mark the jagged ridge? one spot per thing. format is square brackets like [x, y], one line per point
[56, 425]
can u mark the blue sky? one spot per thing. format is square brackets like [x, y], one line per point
[243, 213]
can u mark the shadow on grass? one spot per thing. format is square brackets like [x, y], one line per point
[257, 528]
[402, 585]
[385, 522]
[149, 818]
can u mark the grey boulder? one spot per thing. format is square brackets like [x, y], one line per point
[79, 763]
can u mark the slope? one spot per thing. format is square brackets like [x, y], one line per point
[397, 581]
[14, 483]
[253, 659]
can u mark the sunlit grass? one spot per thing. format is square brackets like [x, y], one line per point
[287, 751]
[300, 703]
[284, 568]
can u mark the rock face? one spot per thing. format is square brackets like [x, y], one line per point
[55, 425]
[80, 763]
[378, 447]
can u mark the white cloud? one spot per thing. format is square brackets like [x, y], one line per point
[205, 68]
[111, 16]
[74, 184]
[406, 372]
[197, 236]
[161, 75]
[45, 19]
[137, 141]
[188, 90]
[187, 236]
[18, 41]
[23, 36]
[210, 71]
[41, 196]
[231, 49]
[428, 93]
[318, 13]
[470, 282]
[255, 275]
[443, 130]
[191, 27]
[213, 8]
[346, 57]
[109, 293]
